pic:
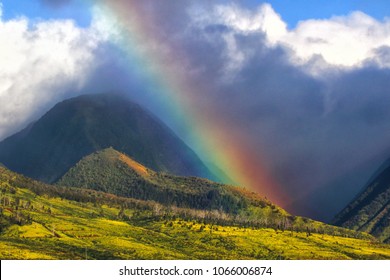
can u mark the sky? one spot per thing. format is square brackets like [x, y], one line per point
[287, 98]
[293, 11]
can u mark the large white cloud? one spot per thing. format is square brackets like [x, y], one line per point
[40, 62]
[343, 41]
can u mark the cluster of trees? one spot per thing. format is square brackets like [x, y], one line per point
[270, 219]
[118, 179]
[11, 209]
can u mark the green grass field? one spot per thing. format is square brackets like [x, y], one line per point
[64, 229]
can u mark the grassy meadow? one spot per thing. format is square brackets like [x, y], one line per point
[57, 228]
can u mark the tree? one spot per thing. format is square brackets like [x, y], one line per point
[17, 203]
[121, 214]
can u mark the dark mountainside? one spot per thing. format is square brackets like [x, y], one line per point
[113, 172]
[370, 210]
[77, 127]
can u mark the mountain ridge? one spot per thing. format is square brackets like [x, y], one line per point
[369, 211]
[76, 127]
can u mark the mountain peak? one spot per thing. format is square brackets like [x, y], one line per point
[112, 155]
[106, 170]
[82, 125]
[139, 168]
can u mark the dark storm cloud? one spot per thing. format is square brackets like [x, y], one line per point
[323, 139]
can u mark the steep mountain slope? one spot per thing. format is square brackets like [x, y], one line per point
[114, 172]
[40, 221]
[74, 128]
[370, 210]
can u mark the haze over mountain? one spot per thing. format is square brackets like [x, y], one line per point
[370, 209]
[77, 127]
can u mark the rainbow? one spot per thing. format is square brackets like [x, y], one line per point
[213, 138]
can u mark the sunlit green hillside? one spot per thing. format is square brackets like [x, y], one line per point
[45, 222]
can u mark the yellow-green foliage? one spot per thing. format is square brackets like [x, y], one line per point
[63, 229]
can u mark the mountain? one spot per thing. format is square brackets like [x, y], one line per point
[370, 209]
[41, 221]
[77, 127]
[113, 172]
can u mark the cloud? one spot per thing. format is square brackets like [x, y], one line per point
[344, 41]
[312, 100]
[41, 63]
[263, 19]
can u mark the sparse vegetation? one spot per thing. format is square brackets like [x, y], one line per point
[68, 223]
